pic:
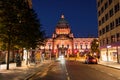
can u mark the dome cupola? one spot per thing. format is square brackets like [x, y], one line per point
[62, 28]
[62, 23]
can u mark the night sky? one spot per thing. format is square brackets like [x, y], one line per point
[80, 14]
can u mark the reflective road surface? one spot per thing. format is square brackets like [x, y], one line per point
[76, 70]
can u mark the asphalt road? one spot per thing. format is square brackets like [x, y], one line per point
[81, 71]
[75, 70]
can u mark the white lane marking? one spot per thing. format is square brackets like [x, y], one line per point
[110, 74]
[66, 70]
[102, 71]
[68, 78]
[118, 77]
[67, 74]
[95, 68]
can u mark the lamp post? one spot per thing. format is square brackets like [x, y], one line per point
[108, 51]
[50, 51]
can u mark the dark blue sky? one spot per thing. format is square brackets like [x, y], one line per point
[80, 14]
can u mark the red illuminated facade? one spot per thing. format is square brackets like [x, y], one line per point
[63, 41]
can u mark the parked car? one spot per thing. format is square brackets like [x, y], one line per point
[91, 60]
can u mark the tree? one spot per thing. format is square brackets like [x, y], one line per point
[30, 31]
[19, 26]
[8, 20]
[95, 47]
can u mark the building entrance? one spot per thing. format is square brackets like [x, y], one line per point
[62, 51]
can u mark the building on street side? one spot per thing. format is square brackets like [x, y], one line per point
[109, 29]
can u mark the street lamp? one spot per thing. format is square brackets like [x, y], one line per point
[50, 50]
[109, 46]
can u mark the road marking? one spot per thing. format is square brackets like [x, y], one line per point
[110, 74]
[43, 74]
[67, 74]
[95, 68]
[118, 77]
[102, 71]
[68, 78]
[66, 70]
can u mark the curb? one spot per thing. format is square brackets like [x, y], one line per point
[109, 66]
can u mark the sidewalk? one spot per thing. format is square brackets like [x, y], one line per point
[110, 64]
[21, 73]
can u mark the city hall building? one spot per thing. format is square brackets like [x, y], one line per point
[64, 43]
[109, 29]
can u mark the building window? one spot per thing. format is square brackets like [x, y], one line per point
[103, 20]
[112, 25]
[57, 45]
[49, 46]
[103, 31]
[106, 5]
[102, 9]
[111, 12]
[117, 7]
[103, 41]
[76, 46]
[100, 32]
[107, 40]
[98, 13]
[99, 23]
[112, 38]
[106, 16]
[101, 1]
[110, 1]
[80, 46]
[86, 46]
[68, 46]
[107, 28]
[98, 4]
[117, 21]
[118, 36]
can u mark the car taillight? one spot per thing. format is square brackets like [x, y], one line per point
[94, 60]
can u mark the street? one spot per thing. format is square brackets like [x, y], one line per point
[80, 71]
[76, 70]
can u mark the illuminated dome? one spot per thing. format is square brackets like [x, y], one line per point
[62, 29]
[62, 23]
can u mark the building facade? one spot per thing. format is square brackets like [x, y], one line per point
[64, 43]
[109, 29]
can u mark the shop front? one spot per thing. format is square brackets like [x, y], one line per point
[110, 53]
